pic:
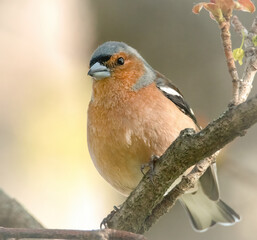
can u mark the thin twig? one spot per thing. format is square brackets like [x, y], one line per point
[107, 234]
[238, 26]
[227, 45]
[250, 68]
[254, 26]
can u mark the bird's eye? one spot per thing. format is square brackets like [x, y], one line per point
[120, 61]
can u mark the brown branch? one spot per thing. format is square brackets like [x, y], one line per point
[107, 234]
[188, 149]
[13, 214]
[227, 45]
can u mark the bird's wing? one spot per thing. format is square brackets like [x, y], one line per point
[171, 92]
[208, 181]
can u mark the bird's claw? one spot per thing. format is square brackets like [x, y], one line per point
[151, 165]
[104, 223]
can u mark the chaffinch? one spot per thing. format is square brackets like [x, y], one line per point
[136, 113]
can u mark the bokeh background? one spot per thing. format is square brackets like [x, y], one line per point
[45, 48]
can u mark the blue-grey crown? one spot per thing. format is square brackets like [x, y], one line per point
[107, 49]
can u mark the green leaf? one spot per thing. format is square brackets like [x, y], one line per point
[238, 55]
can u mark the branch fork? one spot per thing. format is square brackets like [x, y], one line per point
[250, 68]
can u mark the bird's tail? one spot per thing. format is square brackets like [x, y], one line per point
[205, 212]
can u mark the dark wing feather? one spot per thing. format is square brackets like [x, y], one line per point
[171, 92]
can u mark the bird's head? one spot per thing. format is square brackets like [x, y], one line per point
[118, 61]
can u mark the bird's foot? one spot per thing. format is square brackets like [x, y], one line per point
[104, 223]
[151, 166]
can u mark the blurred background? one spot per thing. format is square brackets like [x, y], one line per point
[45, 49]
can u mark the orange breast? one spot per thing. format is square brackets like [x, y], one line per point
[125, 128]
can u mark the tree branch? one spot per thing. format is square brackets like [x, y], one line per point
[227, 45]
[188, 149]
[107, 234]
[13, 214]
[187, 182]
[250, 55]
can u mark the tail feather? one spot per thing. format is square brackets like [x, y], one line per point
[205, 212]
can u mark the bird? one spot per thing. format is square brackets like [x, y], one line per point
[135, 113]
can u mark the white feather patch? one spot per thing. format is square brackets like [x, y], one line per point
[170, 91]
[192, 112]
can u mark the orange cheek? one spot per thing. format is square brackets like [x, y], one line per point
[130, 72]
